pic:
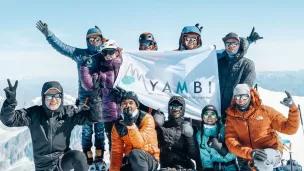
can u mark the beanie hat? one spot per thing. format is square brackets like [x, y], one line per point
[131, 95]
[241, 89]
[94, 32]
[231, 36]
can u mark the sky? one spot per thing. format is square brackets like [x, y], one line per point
[24, 52]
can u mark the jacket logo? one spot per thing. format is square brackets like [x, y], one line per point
[259, 118]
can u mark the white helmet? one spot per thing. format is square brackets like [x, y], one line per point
[110, 44]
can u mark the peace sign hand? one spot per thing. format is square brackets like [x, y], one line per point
[287, 101]
[254, 36]
[10, 91]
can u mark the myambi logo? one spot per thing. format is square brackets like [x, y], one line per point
[181, 86]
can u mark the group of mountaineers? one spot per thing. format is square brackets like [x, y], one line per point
[242, 136]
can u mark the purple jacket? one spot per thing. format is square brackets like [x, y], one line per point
[108, 73]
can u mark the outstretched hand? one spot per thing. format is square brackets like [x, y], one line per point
[254, 36]
[10, 91]
[43, 27]
[287, 101]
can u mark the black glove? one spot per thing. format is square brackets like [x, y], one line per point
[258, 154]
[187, 129]
[254, 36]
[287, 101]
[118, 92]
[10, 91]
[159, 118]
[96, 89]
[218, 146]
[128, 119]
[43, 27]
[200, 28]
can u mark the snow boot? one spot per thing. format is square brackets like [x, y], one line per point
[89, 156]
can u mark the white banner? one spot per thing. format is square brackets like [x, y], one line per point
[156, 76]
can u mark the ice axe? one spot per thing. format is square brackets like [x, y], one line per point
[299, 107]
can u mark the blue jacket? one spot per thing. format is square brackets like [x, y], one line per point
[78, 55]
[209, 155]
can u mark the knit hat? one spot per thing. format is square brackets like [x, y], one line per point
[131, 95]
[241, 89]
[209, 107]
[231, 36]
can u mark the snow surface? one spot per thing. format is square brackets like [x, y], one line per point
[16, 147]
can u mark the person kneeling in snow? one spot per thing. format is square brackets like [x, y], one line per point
[251, 128]
[134, 136]
[176, 137]
[51, 125]
[211, 140]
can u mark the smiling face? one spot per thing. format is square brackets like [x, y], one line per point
[129, 103]
[52, 99]
[241, 99]
[209, 117]
[191, 41]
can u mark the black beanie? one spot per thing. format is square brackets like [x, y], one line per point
[231, 36]
[131, 95]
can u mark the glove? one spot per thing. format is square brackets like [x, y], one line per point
[43, 27]
[258, 154]
[118, 92]
[159, 118]
[96, 89]
[287, 101]
[218, 146]
[187, 129]
[200, 28]
[10, 91]
[128, 120]
[254, 36]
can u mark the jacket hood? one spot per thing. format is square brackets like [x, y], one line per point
[189, 30]
[51, 85]
[94, 32]
[256, 102]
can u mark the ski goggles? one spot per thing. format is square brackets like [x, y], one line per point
[210, 114]
[105, 52]
[92, 39]
[233, 44]
[188, 38]
[50, 96]
[241, 96]
[145, 43]
[175, 107]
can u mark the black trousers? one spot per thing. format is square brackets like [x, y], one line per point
[139, 160]
[73, 160]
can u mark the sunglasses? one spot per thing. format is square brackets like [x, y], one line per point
[243, 96]
[50, 96]
[233, 44]
[208, 114]
[187, 39]
[92, 39]
[105, 52]
[175, 107]
[146, 43]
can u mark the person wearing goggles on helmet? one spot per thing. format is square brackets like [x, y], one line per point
[176, 137]
[147, 42]
[211, 140]
[251, 128]
[108, 71]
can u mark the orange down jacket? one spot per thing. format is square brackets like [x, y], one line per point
[256, 128]
[124, 139]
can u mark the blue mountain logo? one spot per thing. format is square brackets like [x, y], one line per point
[128, 80]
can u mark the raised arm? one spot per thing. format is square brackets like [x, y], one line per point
[57, 44]
[9, 116]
